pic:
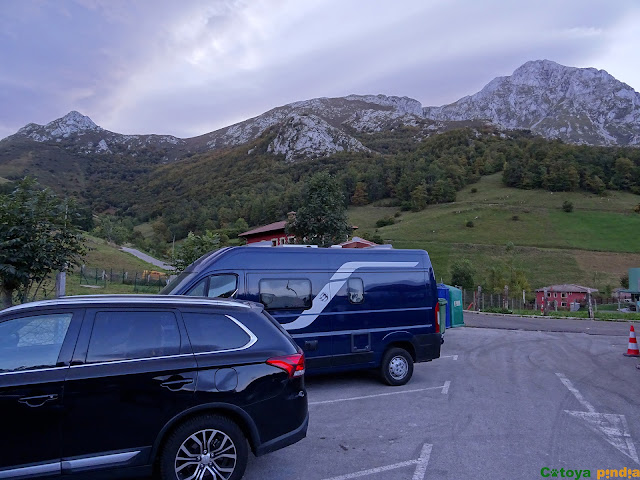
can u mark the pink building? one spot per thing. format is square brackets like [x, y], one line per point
[565, 295]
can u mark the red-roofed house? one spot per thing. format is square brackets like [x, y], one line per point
[565, 295]
[274, 232]
[357, 242]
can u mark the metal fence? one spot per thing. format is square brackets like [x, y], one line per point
[140, 281]
[479, 300]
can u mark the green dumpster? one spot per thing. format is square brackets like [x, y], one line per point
[443, 314]
[455, 306]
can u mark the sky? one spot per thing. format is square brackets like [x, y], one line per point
[188, 67]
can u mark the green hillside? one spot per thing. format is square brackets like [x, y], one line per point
[594, 245]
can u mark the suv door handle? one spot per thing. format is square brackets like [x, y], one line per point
[38, 400]
[176, 384]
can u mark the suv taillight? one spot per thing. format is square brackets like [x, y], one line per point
[292, 364]
[437, 317]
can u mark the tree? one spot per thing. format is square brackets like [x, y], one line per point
[462, 273]
[37, 237]
[322, 217]
[193, 247]
[360, 196]
[419, 198]
[624, 280]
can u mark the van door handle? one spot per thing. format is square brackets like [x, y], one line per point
[38, 400]
[176, 384]
[311, 345]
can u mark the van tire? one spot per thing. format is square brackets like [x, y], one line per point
[232, 442]
[397, 367]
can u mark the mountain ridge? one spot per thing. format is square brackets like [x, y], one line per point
[576, 105]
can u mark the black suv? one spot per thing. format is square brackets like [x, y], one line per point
[131, 385]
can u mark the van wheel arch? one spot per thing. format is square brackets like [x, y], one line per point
[405, 345]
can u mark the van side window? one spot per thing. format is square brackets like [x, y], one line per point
[223, 286]
[119, 335]
[213, 332]
[285, 293]
[355, 290]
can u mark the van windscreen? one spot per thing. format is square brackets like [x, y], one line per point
[184, 279]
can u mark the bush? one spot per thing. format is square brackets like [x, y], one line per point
[470, 224]
[474, 190]
[462, 273]
[567, 206]
[397, 214]
[515, 218]
[383, 222]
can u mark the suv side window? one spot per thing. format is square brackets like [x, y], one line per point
[276, 293]
[32, 342]
[129, 335]
[214, 332]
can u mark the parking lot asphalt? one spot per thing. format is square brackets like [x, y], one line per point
[499, 404]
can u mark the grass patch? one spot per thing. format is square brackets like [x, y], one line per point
[593, 245]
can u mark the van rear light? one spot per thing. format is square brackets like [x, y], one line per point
[292, 364]
[437, 317]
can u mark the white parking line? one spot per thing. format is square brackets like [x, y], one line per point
[567, 383]
[421, 467]
[613, 427]
[444, 388]
[455, 357]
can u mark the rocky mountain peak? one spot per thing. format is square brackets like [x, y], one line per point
[578, 105]
[64, 127]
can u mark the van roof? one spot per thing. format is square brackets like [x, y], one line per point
[291, 257]
[90, 300]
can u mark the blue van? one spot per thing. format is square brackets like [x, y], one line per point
[347, 309]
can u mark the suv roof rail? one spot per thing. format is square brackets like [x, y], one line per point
[133, 298]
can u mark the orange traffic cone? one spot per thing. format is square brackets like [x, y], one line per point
[632, 351]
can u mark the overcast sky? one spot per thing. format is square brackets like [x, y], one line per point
[187, 67]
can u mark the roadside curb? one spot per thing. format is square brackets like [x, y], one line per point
[549, 317]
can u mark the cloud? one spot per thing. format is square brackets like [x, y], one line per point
[189, 67]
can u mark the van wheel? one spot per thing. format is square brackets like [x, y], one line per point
[210, 447]
[397, 367]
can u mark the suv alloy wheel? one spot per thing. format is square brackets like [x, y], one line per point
[209, 447]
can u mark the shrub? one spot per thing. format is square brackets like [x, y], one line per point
[397, 214]
[567, 206]
[470, 224]
[474, 190]
[515, 218]
[383, 222]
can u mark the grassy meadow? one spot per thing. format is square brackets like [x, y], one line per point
[592, 245]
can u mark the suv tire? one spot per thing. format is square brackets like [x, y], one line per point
[397, 367]
[199, 436]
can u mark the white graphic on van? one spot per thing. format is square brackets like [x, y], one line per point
[330, 290]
